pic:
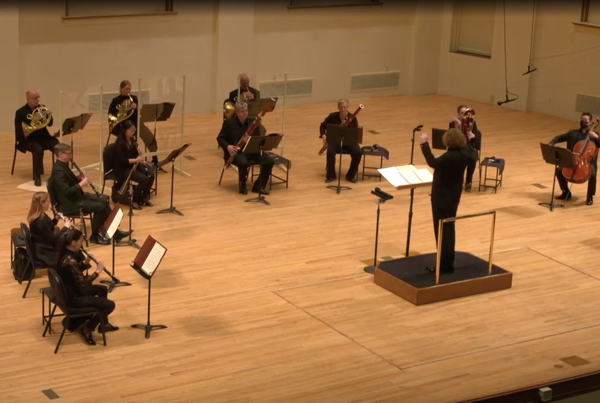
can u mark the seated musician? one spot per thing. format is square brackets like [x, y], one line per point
[67, 191]
[474, 140]
[337, 118]
[79, 288]
[231, 132]
[247, 93]
[42, 229]
[35, 118]
[572, 137]
[127, 154]
[116, 115]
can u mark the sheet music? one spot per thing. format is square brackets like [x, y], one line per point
[392, 175]
[410, 176]
[114, 225]
[154, 258]
[424, 175]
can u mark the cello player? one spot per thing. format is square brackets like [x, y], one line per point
[572, 137]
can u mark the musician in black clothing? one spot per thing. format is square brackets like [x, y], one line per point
[231, 132]
[38, 140]
[572, 137]
[42, 229]
[473, 138]
[79, 288]
[446, 189]
[248, 92]
[67, 191]
[127, 154]
[145, 133]
[337, 118]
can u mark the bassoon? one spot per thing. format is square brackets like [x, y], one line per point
[246, 136]
[346, 122]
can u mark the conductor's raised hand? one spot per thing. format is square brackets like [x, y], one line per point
[423, 137]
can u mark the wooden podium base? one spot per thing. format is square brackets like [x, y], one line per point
[408, 278]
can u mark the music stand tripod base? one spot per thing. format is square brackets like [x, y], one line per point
[259, 198]
[148, 328]
[551, 205]
[112, 284]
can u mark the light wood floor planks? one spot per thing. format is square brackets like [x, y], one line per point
[271, 303]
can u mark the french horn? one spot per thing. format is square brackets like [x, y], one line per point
[229, 107]
[39, 118]
[124, 112]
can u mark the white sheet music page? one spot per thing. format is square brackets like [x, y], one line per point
[392, 175]
[410, 177]
[114, 225]
[424, 174]
[154, 258]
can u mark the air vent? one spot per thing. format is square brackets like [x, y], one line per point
[299, 86]
[107, 97]
[587, 103]
[369, 81]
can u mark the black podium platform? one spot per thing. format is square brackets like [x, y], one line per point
[408, 278]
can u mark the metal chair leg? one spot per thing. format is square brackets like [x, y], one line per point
[12, 170]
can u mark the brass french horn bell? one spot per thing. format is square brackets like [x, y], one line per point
[39, 118]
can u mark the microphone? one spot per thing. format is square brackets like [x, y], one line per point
[506, 101]
[529, 70]
[416, 129]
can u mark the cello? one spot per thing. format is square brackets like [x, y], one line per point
[586, 152]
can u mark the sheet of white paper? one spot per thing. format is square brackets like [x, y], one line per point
[153, 259]
[424, 175]
[392, 175]
[115, 224]
[410, 177]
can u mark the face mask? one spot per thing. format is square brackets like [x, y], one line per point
[583, 124]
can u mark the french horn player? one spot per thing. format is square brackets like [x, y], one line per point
[31, 132]
[243, 93]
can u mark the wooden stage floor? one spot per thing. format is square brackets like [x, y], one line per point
[271, 303]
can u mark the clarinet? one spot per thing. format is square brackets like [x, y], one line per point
[93, 259]
[147, 169]
[83, 175]
[62, 217]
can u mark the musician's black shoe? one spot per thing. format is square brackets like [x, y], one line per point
[148, 203]
[135, 206]
[108, 328]
[590, 200]
[328, 180]
[566, 195]
[259, 190]
[87, 337]
[468, 186]
[100, 240]
[243, 190]
[37, 181]
[122, 234]
[353, 180]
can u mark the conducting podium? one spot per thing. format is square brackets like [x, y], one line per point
[171, 159]
[146, 263]
[559, 157]
[343, 136]
[259, 145]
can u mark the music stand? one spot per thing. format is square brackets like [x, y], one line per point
[128, 185]
[559, 157]
[72, 125]
[257, 145]
[111, 225]
[146, 263]
[437, 142]
[171, 158]
[159, 112]
[343, 136]
[257, 105]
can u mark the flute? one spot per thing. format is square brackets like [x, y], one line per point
[93, 259]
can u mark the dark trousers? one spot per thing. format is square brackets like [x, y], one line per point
[470, 170]
[144, 181]
[355, 155]
[564, 184]
[96, 296]
[243, 161]
[99, 209]
[36, 146]
[448, 235]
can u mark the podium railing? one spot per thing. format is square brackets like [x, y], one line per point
[450, 219]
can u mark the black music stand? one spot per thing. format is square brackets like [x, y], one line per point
[383, 197]
[257, 105]
[437, 139]
[412, 189]
[146, 263]
[258, 145]
[73, 125]
[559, 157]
[159, 112]
[343, 136]
[111, 225]
[128, 185]
[171, 159]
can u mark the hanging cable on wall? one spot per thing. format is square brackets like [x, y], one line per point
[530, 67]
[507, 92]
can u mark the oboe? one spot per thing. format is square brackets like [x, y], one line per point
[83, 176]
[93, 259]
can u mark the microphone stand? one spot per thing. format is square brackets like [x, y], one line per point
[371, 268]
[412, 190]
